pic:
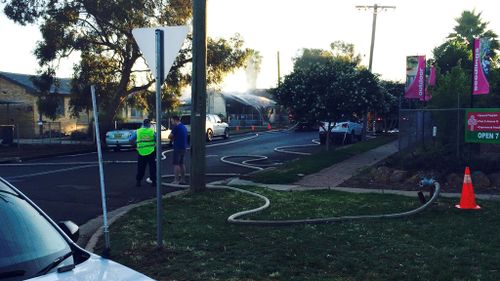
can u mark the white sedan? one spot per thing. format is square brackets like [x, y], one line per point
[340, 132]
[33, 247]
[119, 138]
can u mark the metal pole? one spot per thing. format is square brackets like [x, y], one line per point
[279, 74]
[159, 82]
[424, 104]
[198, 97]
[473, 76]
[101, 174]
[458, 124]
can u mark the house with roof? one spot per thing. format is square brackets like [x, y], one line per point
[18, 107]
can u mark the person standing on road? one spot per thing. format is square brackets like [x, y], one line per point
[145, 139]
[179, 137]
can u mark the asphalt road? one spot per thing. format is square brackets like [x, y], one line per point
[67, 187]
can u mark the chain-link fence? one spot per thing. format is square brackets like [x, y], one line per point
[440, 128]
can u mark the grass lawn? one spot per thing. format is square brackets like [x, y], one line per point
[288, 173]
[442, 243]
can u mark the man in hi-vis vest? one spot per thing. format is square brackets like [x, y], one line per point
[145, 139]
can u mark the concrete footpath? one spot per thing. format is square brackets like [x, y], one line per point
[340, 172]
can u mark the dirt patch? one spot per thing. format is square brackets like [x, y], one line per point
[384, 177]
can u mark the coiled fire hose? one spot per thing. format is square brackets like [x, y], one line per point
[236, 218]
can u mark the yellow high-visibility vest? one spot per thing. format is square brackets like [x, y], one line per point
[145, 141]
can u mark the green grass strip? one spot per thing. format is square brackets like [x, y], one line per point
[442, 243]
[288, 173]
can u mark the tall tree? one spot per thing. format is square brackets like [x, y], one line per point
[457, 48]
[48, 101]
[470, 26]
[110, 59]
[322, 88]
[454, 60]
[345, 51]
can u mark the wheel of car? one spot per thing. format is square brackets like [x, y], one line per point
[210, 135]
[226, 133]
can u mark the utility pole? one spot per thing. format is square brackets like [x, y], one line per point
[374, 25]
[198, 96]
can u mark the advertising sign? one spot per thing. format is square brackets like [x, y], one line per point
[482, 125]
[415, 78]
[481, 66]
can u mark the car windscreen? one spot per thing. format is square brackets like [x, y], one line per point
[129, 126]
[28, 242]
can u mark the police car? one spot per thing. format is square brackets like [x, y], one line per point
[33, 247]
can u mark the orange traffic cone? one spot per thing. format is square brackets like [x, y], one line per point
[467, 200]
[269, 126]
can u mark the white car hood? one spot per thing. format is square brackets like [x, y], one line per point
[96, 269]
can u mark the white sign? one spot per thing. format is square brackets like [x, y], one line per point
[173, 38]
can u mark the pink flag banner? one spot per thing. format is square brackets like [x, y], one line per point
[480, 85]
[415, 77]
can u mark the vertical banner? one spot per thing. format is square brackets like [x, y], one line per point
[481, 51]
[415, 78]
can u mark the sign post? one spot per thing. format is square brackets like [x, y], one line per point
[159, 73]
[162, 56]
[107, 247]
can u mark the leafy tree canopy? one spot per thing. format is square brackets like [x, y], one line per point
[48, 102]
[100, 31]
[457, 48]
[454, 64]
[325, 88]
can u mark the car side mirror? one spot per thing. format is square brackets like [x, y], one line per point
[71, 229]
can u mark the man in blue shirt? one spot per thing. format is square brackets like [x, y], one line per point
[179, 138]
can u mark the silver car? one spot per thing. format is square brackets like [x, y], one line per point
[213, 125]
[119, 138]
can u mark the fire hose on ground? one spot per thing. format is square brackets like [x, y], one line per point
[236, 218]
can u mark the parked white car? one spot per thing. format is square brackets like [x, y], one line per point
[341, 132]
[34, 247]
[214, 126]
[119, 138]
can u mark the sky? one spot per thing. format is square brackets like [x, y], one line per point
[287, 26]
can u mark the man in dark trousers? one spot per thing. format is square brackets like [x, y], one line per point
[145, 139]
[180, 144]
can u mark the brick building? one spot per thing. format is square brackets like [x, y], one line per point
[18, 106]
